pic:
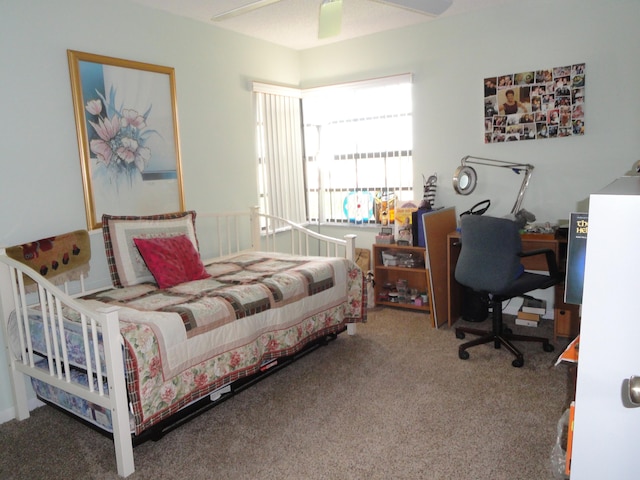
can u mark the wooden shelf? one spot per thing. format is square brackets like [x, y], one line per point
[416, 277]
[431, 279]
[409, 306]
[398, 269]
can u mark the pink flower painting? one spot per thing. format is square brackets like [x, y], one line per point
[120, 137]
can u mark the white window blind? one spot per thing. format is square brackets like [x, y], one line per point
[280, 152]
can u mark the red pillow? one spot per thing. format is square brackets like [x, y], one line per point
[171, 260]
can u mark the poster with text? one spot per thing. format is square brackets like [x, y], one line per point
[576, 255]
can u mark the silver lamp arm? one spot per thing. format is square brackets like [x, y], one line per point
[465, 177]
[528, 171]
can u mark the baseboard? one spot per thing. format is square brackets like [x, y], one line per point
[7, 415]
[10, 413]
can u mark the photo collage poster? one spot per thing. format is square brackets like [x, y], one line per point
[534, 105]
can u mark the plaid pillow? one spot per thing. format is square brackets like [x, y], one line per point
[126, 265]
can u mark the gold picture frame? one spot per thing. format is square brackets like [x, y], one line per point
[127, 129]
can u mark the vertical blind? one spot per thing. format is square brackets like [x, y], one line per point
[280, 151]
[357, 138]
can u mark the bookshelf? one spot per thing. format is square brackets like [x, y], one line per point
[429, 276]
[401, 263]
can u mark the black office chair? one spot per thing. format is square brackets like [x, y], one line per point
[489, 263]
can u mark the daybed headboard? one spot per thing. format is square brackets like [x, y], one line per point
[219, 235]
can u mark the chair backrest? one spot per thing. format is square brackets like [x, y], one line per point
[489, 260]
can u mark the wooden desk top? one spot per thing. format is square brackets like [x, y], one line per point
[532, 241]
[537, 237]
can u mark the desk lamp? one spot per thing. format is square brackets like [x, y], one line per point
[465, 177]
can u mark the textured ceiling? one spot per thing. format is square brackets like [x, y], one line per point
[294, 23]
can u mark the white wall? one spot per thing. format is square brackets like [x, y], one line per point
[40, 184]
[41, 187]
[450, 57]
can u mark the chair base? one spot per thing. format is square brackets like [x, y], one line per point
[500, 336]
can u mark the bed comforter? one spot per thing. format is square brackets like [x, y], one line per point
[183, 342]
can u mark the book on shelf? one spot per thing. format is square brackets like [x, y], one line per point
[527, 319]
[534, 305]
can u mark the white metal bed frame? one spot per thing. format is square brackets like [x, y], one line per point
[268, 233]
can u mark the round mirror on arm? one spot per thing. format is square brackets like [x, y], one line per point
[464, 180]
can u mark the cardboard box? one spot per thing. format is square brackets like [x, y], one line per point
[527, 323]
[527, 319]
[385, 239]
[389, 259]
[534, 305]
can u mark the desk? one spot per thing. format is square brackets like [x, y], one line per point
[566, 316]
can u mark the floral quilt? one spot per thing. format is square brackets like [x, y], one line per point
[185, 341]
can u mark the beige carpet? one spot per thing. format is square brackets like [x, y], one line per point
[392, 402]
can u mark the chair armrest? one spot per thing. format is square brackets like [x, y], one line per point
[551, 259]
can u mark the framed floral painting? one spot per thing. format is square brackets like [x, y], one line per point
[127, 130]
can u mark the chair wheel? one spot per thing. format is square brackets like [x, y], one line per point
[547, 347]
[507, 331]
[518, 362]
[459, 335]
[463, 355]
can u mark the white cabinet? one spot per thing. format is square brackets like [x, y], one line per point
[607, 425]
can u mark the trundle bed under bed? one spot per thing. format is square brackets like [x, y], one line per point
[173, 335]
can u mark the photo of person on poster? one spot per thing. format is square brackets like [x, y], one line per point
[509, 104]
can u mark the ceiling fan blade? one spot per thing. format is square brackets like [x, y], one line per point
[243, 9]
[330, 18]
[427, 7]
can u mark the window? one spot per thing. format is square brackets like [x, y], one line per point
[358, 143]
[351, 155]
